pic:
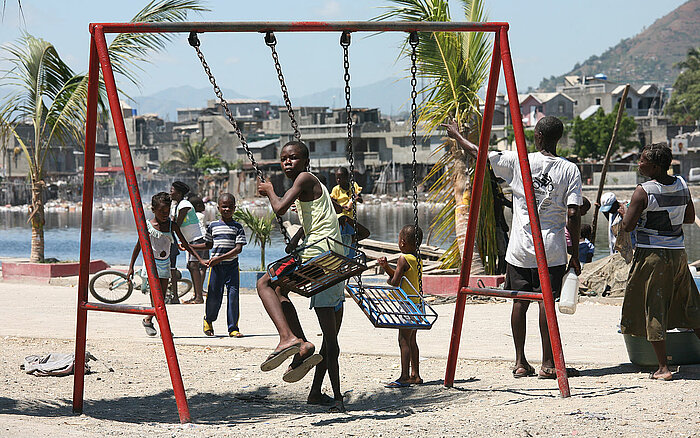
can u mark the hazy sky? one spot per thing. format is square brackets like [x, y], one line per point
[547, 38]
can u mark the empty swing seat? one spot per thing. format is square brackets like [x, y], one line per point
[392, 307]
[318, 273]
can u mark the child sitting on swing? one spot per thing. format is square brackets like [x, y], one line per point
[407, 272]
[342, 202]
[318, 219]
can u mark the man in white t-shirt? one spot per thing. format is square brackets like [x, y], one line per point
[557, 186]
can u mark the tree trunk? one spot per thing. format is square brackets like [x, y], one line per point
[462, 193]
[36, 218]
[262, 256]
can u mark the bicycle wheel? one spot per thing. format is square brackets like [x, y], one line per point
[184, 285]
[111, 286]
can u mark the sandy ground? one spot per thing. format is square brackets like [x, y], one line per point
[129, 392]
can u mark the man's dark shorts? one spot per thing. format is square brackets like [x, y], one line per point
[528, 279]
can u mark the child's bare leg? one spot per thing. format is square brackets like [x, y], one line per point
[273, 307]
[405, 349]
[547, 356]
[663, 373]
[290, 314]
[327, 321]
[197, 281]
[518, 325]
[315, 395]
[415, 358]
[163, 288]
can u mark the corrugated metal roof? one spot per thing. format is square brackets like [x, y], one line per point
[260, 144]
[589, 111]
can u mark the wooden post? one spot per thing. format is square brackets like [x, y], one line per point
[604, 171]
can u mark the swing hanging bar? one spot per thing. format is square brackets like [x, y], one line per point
[193, 40]
[301, 26]
[271, 42]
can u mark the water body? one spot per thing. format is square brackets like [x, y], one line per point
[114, 233]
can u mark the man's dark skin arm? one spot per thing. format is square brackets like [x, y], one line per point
[573, 224]
[453, 132]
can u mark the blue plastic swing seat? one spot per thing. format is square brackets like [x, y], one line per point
[318, 273]
[392, 307]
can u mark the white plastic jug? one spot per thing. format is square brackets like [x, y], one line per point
[569, 293]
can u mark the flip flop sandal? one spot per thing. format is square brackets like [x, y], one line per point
[661, 379]
[325, 400]
[150, 329]
[529, 371]
[297, 373]
[277, 358]
[397, 384]
[337, 408]
[547, 373]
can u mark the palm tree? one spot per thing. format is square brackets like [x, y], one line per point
[260, 229]
[455, 66]
[53, 98]
[188, 155]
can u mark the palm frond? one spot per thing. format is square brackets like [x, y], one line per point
[455, 66]
[128, 50]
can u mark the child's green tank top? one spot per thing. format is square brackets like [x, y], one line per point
[318, 219]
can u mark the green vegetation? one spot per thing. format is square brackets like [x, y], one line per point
[194, 157]
[592, 136]
[260, 229]
[455, 66]
[53, 98]
[684, 106]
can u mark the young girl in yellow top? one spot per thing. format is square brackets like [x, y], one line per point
[406, 271]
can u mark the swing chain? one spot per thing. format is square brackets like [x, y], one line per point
[413, 41]
[271, 42]
[194, 42]
[345, 44]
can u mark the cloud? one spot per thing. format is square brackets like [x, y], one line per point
[232, 60]
[330, 9]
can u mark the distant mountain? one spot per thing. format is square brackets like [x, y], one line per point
[648, 56]
[166, 102]
[390, 95]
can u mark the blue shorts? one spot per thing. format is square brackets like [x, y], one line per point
[162, 266]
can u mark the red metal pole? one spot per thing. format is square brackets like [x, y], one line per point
[140, 219]
[531, 201]
[119, 308]
[474, 205]
[302, 26]
[86, 229]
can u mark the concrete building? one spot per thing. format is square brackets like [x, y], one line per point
[588, 92]
[534, 106]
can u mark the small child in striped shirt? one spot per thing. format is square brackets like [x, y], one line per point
[225, 238]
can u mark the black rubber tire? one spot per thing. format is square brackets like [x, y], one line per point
[111, 286]
[184, 285]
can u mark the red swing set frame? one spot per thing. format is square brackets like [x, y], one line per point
[99, 59]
